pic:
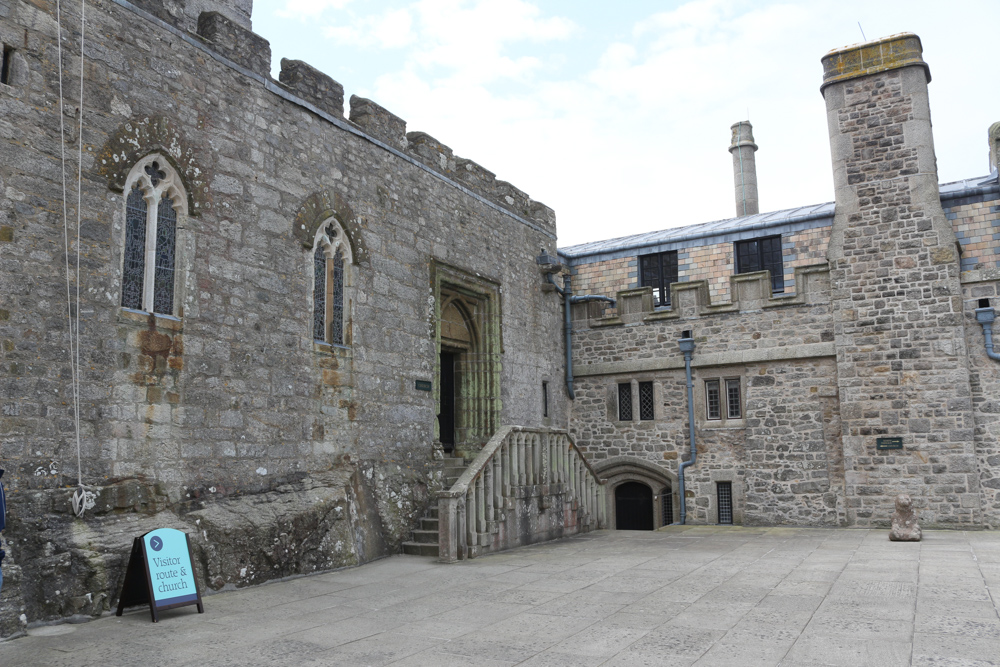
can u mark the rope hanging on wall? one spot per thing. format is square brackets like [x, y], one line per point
[82, 499]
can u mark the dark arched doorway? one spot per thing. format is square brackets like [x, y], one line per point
[633, 506]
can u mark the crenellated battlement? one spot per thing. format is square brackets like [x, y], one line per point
[751, 293]
[233, 39]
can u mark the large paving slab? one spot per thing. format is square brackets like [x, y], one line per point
[680, 596]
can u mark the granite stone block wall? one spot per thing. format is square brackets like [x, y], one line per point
[224, 417]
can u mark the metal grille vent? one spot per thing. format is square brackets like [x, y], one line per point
[725, 494]
[667, 499]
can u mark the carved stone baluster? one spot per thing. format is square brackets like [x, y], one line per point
[529, 460]
[497, 480]
[488, 497]
[481, 505]
[470, 516]
[507, 463]
[521, 464]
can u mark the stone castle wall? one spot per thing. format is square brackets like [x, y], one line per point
[279, 455]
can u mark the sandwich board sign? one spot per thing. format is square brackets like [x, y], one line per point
[160, 574]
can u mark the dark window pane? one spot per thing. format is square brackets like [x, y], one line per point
[771, 260]
[712, 399]
[319, 294]
[761, 254]
[659, 271]
[163, 282]
[733, 399]
[649, 275]
[747, 256]
[134, 266]
[625, 402]
[725, 497]
[646, 406]
[337, 309]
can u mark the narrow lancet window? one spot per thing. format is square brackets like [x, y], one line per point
[166, 232]
[153, 207]
[331, 286]
[319, 294]
[135, 250]
[337, 307]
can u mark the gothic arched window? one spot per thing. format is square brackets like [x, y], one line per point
[331, 280]
[155, 199]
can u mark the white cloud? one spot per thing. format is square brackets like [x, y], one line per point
[303, 9]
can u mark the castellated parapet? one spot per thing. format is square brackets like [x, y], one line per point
[280, 450]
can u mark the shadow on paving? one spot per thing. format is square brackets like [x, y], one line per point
[707, 595]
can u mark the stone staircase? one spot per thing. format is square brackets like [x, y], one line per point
[425, 538]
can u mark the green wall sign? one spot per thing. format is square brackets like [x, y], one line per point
[424, 385]
[888, 443]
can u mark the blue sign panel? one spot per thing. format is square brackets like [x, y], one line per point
[171, 577]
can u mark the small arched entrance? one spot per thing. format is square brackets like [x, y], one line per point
[633, 506]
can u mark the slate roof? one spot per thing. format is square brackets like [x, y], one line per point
[759, 221]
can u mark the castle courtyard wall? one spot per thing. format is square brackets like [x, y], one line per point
[278, 454]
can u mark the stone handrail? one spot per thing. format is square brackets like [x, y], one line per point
[526, 485]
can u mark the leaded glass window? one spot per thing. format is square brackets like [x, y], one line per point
[760, 254]
[166, 232]
[712, 399]
[134, 269]
[337, 305]
[149, 255]
[733, 409]
[331, 284]
[625, 402]
[319, 294]
[646, 406]
[658, 271]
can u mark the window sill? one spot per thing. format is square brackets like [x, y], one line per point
[728, 425]
[141, 317]
[329, 348]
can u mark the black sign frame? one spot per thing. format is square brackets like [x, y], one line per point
[137, 588]
[883, 444]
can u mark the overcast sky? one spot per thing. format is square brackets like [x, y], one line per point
[617, 114]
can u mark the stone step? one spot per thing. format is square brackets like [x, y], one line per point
[419, 549]
[425, 536]
[432, 512]
[427, 523]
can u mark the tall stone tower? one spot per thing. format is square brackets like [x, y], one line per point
[897, 302]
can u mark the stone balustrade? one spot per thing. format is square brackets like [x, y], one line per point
[525, 486]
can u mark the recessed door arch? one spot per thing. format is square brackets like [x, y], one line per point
[633, 506]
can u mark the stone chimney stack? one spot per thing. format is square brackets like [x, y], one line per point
[994, 133]
[905, 392]
[744, 168]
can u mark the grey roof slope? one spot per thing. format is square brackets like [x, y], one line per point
[762, 221]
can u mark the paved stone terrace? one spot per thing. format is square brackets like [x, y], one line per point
[681, 596]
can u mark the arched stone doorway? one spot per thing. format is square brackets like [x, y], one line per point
[633, 506]
[468, 339]
[660, 482]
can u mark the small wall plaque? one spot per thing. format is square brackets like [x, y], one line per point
[424, 385]
[888, 443]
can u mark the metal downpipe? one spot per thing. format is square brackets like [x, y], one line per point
[568, 300]
[687, 347]
[986, 316]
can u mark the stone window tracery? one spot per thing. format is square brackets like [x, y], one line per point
[331, 282]
[153, 206]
